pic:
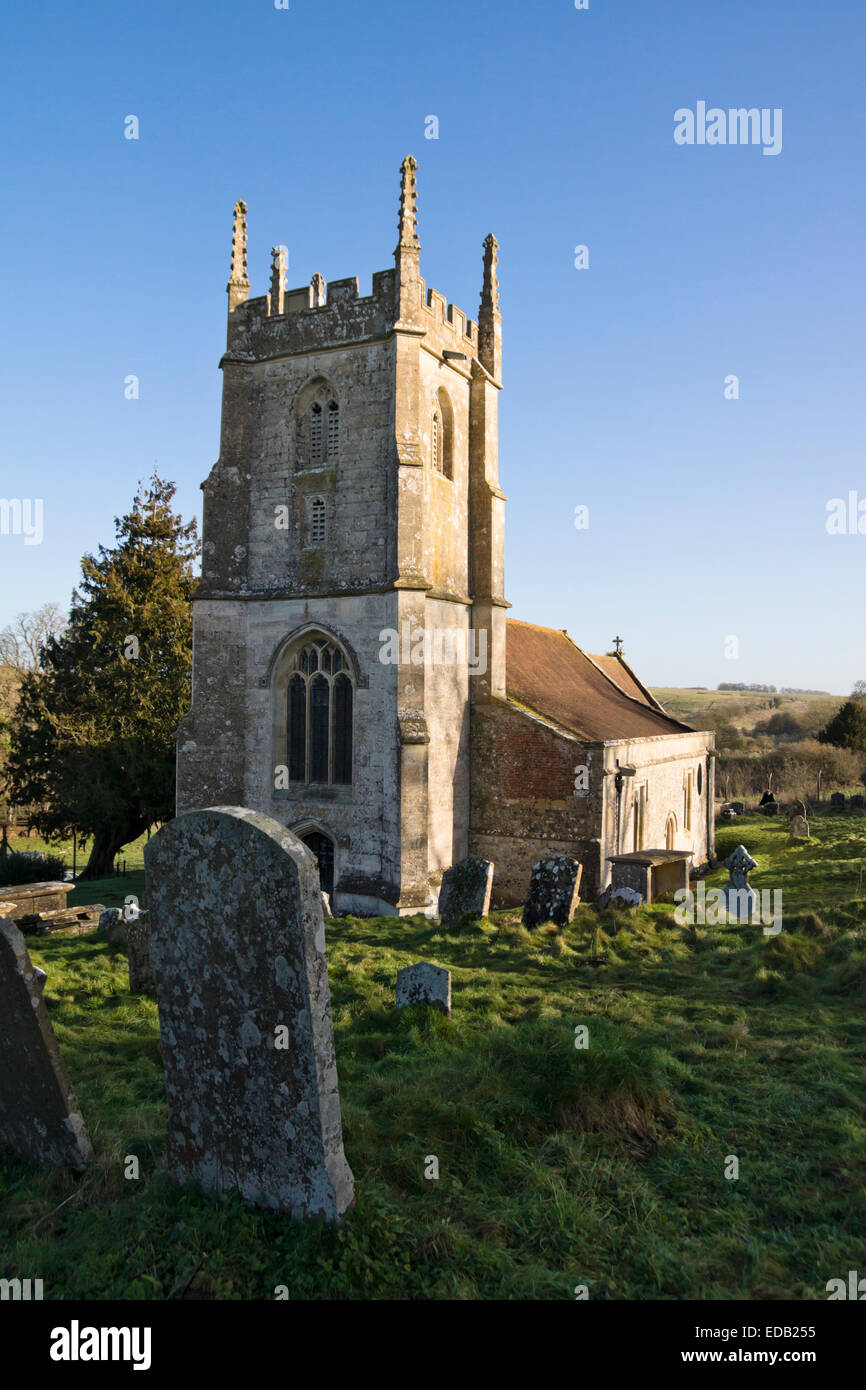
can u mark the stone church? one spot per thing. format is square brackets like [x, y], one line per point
[355, 675]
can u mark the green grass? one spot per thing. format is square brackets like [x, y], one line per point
[558, 1166]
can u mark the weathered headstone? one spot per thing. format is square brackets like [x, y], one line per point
[141, 980]
[739, 807]
[798, 828]
[465, 891]
[741, 900]
[39, 1115]
[770, 808]
[553, 891]
[728, 813]
[797, 808]
[238, 952]
[621, 896]
[424, 984]
[858, 802]
[837, 801]
[109, 920]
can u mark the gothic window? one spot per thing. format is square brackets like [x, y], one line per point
[333, 430]
[671, 832]
[315, 433]
[700, 780]
[320, 696]
[317, 521]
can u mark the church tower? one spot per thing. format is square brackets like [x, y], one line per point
[351, 605]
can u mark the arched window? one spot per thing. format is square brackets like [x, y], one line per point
[436, 440]
[671, 832]
[315, 433]
[333, 437]
[317, 424]
[319, 701]
[442, 435]
[317, 521]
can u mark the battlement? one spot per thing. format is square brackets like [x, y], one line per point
[321, 315]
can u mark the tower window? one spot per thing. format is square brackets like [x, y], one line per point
[319, 710]
[442, 435]
[318, 528]
[316, 433]
[436, 441]
[333, 430]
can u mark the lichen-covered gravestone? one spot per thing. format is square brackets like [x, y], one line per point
[39, 1115]
[238, 952]
[798, 828]
[553, 893]
[465, 891]
[424, 984]
[141, 979]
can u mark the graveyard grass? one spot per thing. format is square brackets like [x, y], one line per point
[558, 1166]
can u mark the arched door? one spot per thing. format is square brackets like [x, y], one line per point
[323, 848]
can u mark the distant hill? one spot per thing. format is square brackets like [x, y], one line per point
[746, 708]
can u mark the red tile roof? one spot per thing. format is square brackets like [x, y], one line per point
[548, 673]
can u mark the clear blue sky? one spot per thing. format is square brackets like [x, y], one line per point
[707, 516]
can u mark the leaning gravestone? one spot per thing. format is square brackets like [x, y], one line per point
[141, 979]
[465, 891]
[238, 951]
[39, 1115]
[553, 891]
[424, 984]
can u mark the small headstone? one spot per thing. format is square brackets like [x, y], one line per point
[629, 897]
[109, 920]
[621, 895]
[799, 828]
[729, 813]
[837, 801]
[738, 807]
[553, 893]
[141, 979]
[424, 984]
[465, 891]
[770, 808]
[238, 951]
[741, 900]
[39, 1115]
[858, 802]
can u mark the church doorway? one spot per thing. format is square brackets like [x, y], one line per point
[323, 848]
